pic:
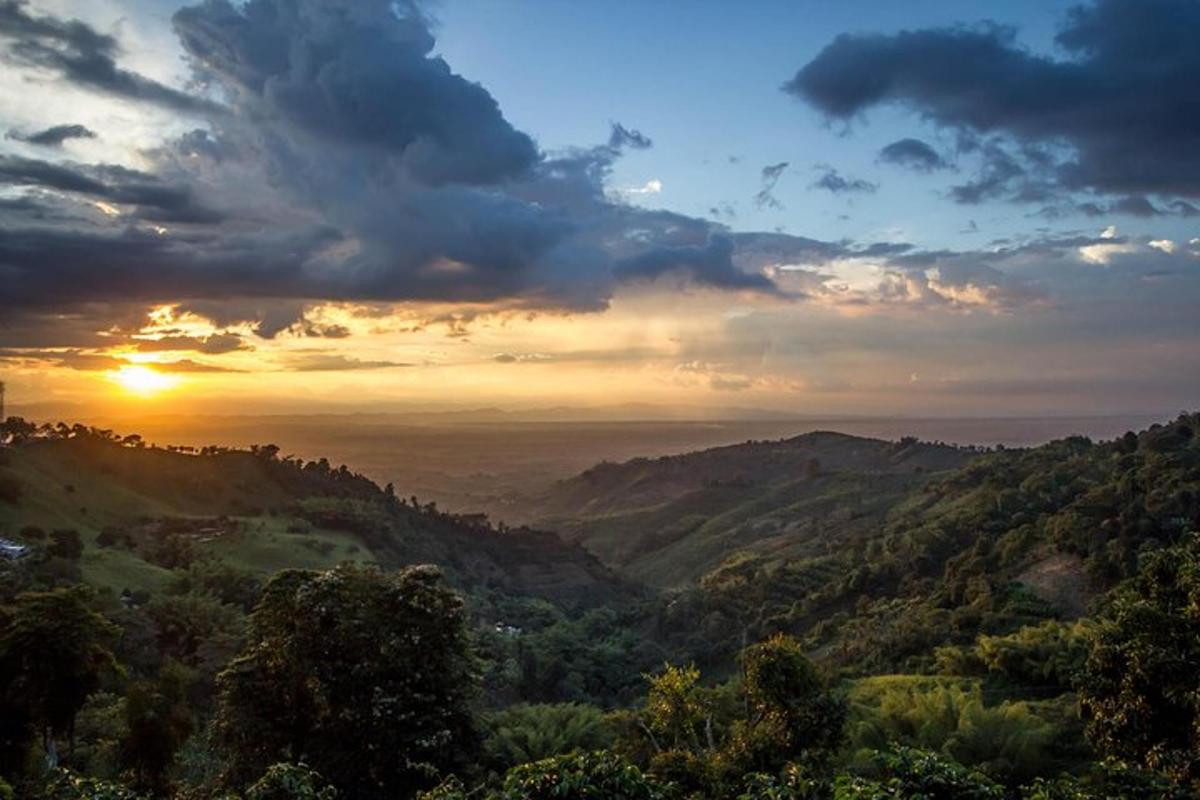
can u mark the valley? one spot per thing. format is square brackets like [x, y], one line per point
[912, 573]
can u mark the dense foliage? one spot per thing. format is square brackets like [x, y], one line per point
[364, 675]
[237, 625]
[1140, 690]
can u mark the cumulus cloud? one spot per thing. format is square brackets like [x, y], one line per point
[346, 162]
[361, 75]
[1115, 98]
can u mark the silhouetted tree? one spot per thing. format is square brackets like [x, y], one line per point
[53, 652]
[365, 676]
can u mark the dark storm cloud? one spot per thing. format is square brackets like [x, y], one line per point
[47, 268]
[913, 154]
[833, 181]
[1136, 206]
[54, 136]
[1123, 99]
[362, 75]
[710, 265]
[349, 164]
[81, 55]
[155, 200]
[26, 206]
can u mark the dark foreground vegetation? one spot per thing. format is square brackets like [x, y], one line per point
[825, 617]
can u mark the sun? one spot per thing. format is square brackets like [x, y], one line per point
[143, 381]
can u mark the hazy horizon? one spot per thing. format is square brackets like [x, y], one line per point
[476, 463]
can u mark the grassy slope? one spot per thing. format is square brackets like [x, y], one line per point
[64, 488]
[286, 517]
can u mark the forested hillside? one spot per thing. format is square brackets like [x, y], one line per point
[140, 511]
[819, 617]
[669, 520]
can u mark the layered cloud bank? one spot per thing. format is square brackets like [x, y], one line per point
[324, 191]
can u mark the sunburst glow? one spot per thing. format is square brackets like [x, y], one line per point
[144, 381]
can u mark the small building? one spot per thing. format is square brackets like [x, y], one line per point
[11, 551]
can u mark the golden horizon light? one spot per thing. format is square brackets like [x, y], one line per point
[143, 381]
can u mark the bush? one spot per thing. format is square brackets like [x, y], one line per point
[794, 782]
[290, 782]
[524, 733]
[906, 773]
[592, 775]
[65, 543]
[66, 785]
[1011, 741]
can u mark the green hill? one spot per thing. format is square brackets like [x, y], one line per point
[668, 521]
[133, 505]
[1010, 539]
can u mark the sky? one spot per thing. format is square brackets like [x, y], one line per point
[922, 209]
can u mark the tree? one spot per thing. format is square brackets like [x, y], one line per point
[157, 722]
[1140, 688]
[790, 714]
[364, 675]
[678, 712]
[53, 651]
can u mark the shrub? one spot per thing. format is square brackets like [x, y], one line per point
[285, 781]
[592, 775]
